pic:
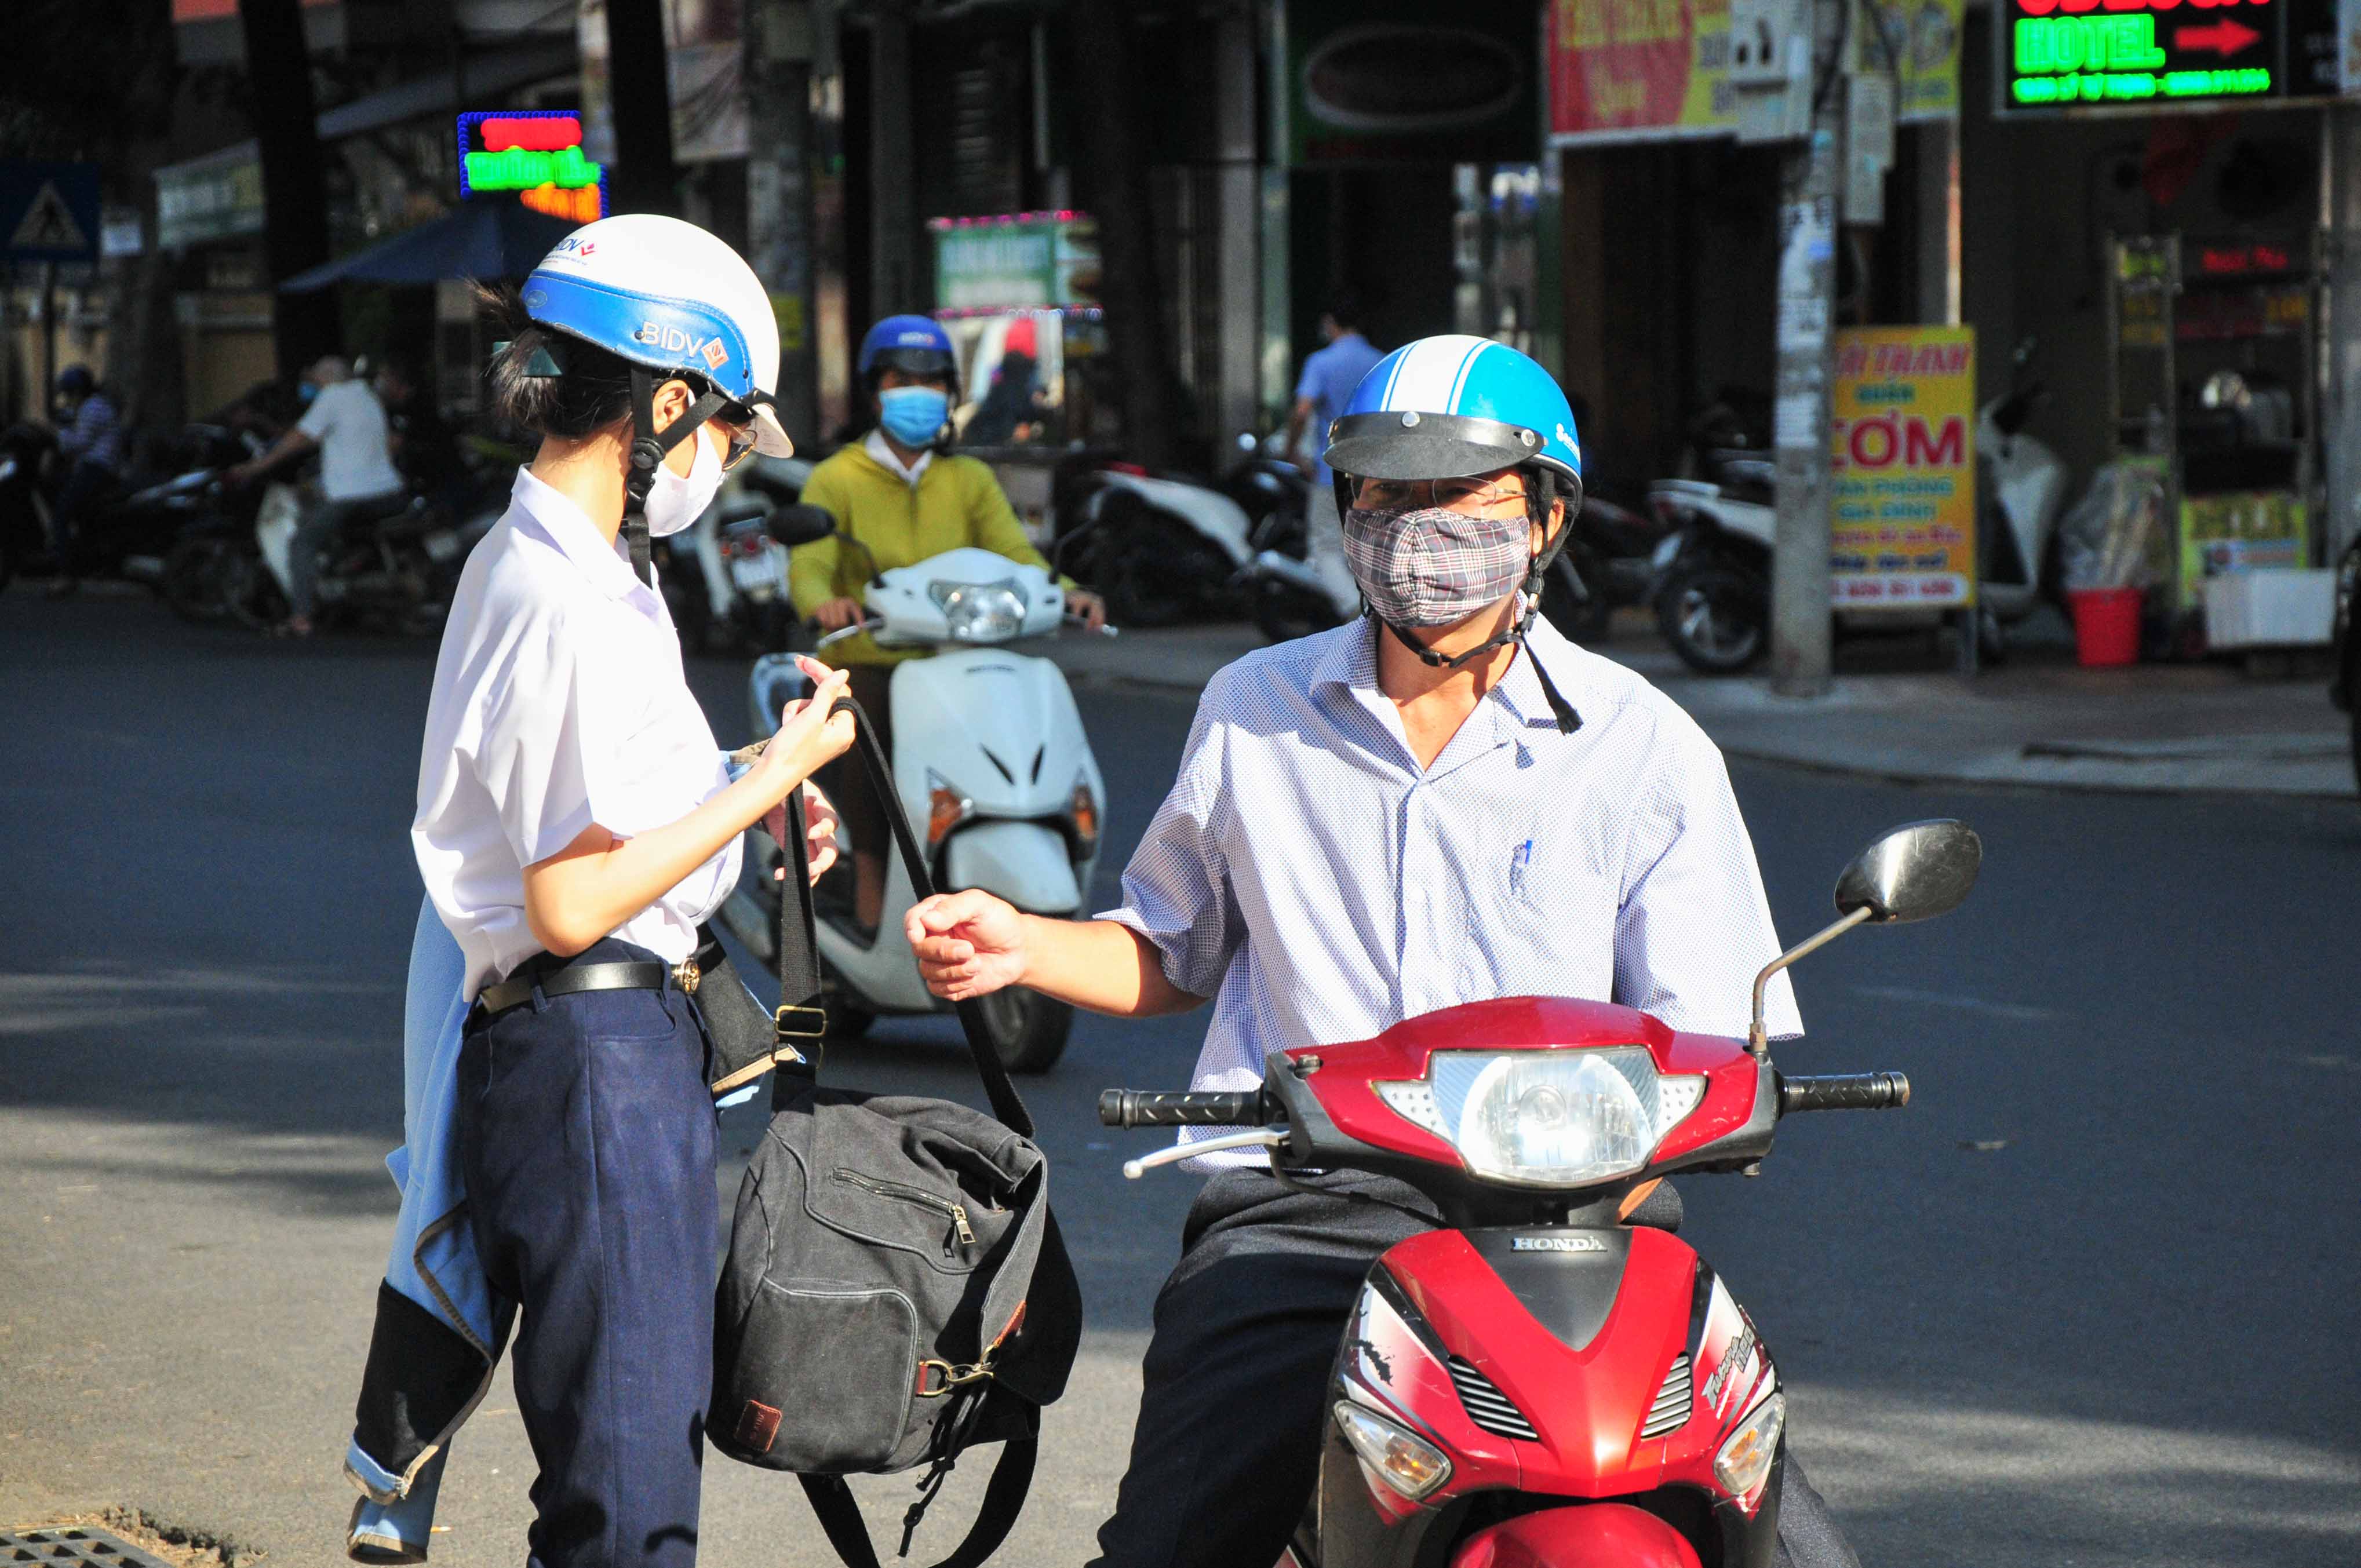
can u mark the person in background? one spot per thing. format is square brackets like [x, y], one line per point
[91, 441]
[425, 449]
[1330, 374]
[1014, 401]
[346, 425]
[897, 498]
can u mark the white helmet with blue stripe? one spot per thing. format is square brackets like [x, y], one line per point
[668, 296]
[1444, 408]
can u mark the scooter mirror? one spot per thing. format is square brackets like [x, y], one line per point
[796, 525]
[1916, 871]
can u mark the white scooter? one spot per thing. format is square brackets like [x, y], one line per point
[2023, 489]
[992, 765]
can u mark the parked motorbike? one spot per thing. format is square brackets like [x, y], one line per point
[129, 533]
[2344, 664]
[1713, 564]
[1159, 550]
[1552, 1377]
[989, 754]
[725, 579]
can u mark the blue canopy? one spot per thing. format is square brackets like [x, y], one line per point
[492, 238]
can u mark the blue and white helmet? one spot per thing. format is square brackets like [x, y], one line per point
[667, 295]
[1443, 408]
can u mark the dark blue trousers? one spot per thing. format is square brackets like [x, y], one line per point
[586, 1133]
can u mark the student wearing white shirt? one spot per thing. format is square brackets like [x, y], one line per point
[575, 821]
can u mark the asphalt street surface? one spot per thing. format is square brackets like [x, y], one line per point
[2089, 1300]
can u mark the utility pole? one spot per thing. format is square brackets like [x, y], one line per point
[779, 195]
[893, 165]
[1800, 630]
[295, 193]
[639, 83]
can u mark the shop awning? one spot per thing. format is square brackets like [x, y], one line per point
[220, 194]
[490, 239]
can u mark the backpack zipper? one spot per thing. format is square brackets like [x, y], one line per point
[957, 1212]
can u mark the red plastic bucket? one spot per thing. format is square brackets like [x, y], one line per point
[2106, 626]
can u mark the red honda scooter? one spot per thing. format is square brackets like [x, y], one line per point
[1553, 1378]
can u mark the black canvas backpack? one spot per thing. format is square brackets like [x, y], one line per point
[895, 1289]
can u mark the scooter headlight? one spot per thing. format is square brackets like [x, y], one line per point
[1547, 1118]
[980, 612]
[1744, 1461]
[1409, 1464]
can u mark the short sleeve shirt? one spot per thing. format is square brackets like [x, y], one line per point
[559, 701]
[356, 459]
[1321, 886]
[1328, 379]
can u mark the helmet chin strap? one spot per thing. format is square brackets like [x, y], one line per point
[649, 446]
[1542, 494]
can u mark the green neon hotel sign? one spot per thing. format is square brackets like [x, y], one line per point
[2111, 59]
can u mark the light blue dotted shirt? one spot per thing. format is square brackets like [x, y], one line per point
[1308, 875]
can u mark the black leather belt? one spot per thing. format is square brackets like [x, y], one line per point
[518, 989]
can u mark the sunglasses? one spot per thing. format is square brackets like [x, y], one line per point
[742, 443]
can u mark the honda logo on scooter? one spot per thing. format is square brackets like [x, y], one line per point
[1556, 1243]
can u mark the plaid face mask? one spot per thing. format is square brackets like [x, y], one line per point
[1430, 565]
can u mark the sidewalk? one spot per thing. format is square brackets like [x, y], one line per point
[2040, 721]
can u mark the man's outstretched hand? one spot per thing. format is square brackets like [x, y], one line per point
[968, 944]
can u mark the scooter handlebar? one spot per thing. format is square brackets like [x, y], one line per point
[1169, 1108]
[1843, 1092]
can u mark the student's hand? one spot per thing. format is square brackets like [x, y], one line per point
[820, 824]
[1089, 606]
[968, 944]
[836, 614]
[808, 737]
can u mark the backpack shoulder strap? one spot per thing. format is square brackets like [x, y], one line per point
[1004, 1499]
[1005, 1105]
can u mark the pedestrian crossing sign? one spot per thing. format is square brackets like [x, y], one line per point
[49, 212]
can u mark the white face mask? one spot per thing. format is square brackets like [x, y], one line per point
[673, 501]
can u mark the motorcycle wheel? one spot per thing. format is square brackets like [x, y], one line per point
[1713, 616]
[1027, 1030]
[253, 595]
[197, 579]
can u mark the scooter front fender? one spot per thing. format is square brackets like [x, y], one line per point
[1028, 863]
[1599, 1535]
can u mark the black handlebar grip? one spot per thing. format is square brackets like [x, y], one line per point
[1168, 1108]
[1843, 1092]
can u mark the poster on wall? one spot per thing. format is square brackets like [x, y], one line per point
[1396, 81]
[1902, 529]
[1650, 69]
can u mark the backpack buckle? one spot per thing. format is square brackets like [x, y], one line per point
[810, 1023]
[952, 1376]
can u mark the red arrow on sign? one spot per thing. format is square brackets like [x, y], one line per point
[2225, 38]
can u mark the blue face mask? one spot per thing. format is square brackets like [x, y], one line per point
[305, 392]
[913, 415]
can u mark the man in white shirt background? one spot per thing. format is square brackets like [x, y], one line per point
[343, 422]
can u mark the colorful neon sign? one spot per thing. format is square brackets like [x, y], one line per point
[2067, 54]
[536, 153]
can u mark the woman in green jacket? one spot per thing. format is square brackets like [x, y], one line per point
[904, 500]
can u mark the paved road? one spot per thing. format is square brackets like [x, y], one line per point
[2087, 1302]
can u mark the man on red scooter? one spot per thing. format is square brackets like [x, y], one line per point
[1441, 802]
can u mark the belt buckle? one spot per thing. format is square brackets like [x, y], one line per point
[817, 1015]
[688, 976]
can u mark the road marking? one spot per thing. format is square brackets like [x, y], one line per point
[2014, 1012]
